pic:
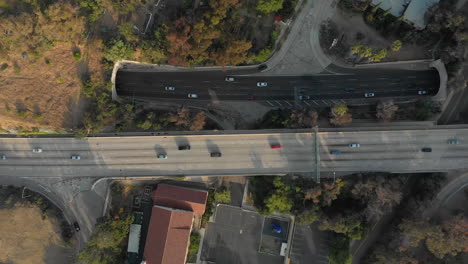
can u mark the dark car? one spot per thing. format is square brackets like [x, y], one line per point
[426, 149]
[262, 67]
[184, 147]
[77, 226]
[335, 152]
[215, 154]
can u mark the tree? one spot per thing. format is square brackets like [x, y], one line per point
[267, 7]
[104, 245]
[339, 115]
[118, 50]
[339, 252]
[223, 196]
[396, 45]
[379, 55]
[308, 217]
[348, 225]
[198, 121]
[386, 110]
[127, 31]
[93, 8]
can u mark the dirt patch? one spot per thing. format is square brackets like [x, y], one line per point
[26, 237]
[41, 92]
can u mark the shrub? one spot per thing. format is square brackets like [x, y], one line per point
[396, 45]
[267, 7]
[117, 50]
[77, 55]
[193, 248]
[223, 196]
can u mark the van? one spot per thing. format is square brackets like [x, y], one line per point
[215, 154]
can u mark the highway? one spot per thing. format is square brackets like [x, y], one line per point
[211, 85]
[242, 154]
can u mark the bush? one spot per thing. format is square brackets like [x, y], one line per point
[339, 253]
[262, 56]
[77, 55]
[193, 248]
[267, 7]
[223, 196]
[396, 45]
[117, 50]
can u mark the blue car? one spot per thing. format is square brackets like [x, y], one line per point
[335, 152]
[276, 228]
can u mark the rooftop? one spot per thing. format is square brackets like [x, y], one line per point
[181, 198]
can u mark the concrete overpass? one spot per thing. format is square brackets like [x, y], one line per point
[248, 153]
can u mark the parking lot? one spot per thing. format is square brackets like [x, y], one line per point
[235, 238]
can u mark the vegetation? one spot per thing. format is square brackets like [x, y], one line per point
[426, 109]
[193, 248]
[105, 245]
[386, 110]
[396, 45]
[269, 6]
[339, 115]
[285, 118]
[222, 195]
[339, 253]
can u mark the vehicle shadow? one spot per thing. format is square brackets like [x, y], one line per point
[181, 141]
[211, 146]
[159, 150]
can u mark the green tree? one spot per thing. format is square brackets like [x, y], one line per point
[193, 248]
[267, 7]
[396, 45]
[308, 216]
[339, 252]
[127, 31]
[339, 115]
[379, 55]
[118, 50]
[223, 196]
[262, 56]
[340, 109]
[348, 225]
[104, 245]
[93, 8]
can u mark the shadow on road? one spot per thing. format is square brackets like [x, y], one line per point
[211, 146]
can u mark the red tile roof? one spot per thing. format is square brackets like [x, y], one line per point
[168, 236]
[181, 198]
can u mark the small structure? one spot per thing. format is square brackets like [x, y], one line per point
[133, 249]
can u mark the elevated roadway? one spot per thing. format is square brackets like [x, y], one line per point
[242, 154]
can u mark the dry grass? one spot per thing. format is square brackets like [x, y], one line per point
[25, 236]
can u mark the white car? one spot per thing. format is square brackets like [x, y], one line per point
[37, 150]
[2, 157]
[192, 95]
[304, 97]
[354, 145]
[229, 79]
[75, 157]
[262, 84]
[422, 92]
[369, 95]
[169, 88]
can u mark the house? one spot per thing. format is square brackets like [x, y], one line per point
[413, 11]
[171, 223]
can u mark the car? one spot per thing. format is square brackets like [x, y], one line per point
[304, 97]
[37, 150]
[275, 146]
[354, 145]
[76, 226]
[184, 147]
[162, 156]
[215, 154]
[426, 149]
[262, 67]
[369, 95]
[453, 141]
[75, 157]
[262, 84]
[147, 191]
[192, 95]
[169, 88]
[335, 152]
[349, 89]
[229, 79]
[2, 157]
[422, 92]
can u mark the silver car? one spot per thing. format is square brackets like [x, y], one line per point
[37, 150]
[2, 157]
[369, 95]
[169, 88]
[304, 97]
[262, 84]
[354, 145]
[192, 95]
[75, 157]
[422, 92]
[229, 79]
[453, 141]
[162, 156]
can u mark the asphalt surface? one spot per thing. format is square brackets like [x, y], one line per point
[242, 154]
[211, 85]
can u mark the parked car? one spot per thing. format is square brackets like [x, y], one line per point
[262, 84]
[215, 154]
[422, 92]
[369, 95]
[426, 149]
[262, 67]
[169, 88]
[37, 150]
[276, 146]
[453, 141]
[75, 157]
[77, 226]
[349, 89]
[2, 157]
[335, 152]
[162, 156]
[229, 79]
[192, 95]
[354, 145]
[304, 97]
[184, 147]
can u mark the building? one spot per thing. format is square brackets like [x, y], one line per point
[133, 248]
[171, 223]
[413, 11]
